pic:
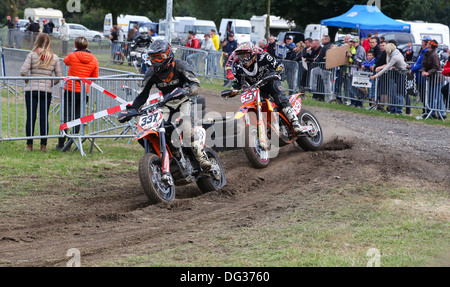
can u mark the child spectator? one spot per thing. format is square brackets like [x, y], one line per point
[369, 62]
[84, 65]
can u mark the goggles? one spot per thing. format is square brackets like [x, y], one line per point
[158, 57]
[244, 56]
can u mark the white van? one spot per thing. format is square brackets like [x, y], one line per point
[241, 29]
[123, 21]
[200, 27]
[43, 13]
[277, 25]
[315, 31]
[174, 28]
[420, 29]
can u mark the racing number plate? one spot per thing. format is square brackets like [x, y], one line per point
[248, 97]
[151, 121]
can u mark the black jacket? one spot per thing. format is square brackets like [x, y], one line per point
[312, 55]
[183, 77]
[270, 48]
[323, 53]
[264, 65]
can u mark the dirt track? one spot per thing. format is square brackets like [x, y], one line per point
[113, 221]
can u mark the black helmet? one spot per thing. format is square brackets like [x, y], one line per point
[161, 55]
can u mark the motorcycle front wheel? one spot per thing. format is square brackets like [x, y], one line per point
[217, 180]
[312, 141]
[150, 175]
[258, 157]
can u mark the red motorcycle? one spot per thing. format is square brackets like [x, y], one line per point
[267, 128]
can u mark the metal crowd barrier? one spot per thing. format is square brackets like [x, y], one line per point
[20, 119]
[393, 92]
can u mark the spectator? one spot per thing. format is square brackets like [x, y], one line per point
[396, 88]
[416, 69]
[64, 36]
[382, 39]
[357, 53]
[51, 25]
[10, 25]
[133, 33]
[152, 33]
[193, 56]
[271, 46]
[300, 46]
[304, 67]
[208, 44]
[33, 29]
[84, 65]
[40, 62]
[409, 53]
[18, 33]
[347, 39]
[445, 89]
[227, 50]
[322, 71]
[430, 66]
[366, 66]
[290, 45]
[120, 34]
[321, 58]
[46, 29]
[192, 42]
[366, 43]
[262, 44]
[215, 39]
[114, 36]
[313, 51]
[356, 56]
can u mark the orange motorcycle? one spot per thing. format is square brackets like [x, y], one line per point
[167, 161]
[267, 127]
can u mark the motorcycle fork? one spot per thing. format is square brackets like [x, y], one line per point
[165, 163]
[261, 126]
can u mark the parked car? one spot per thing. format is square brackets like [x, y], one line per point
[416, 49]
[77, 30]
[400, 38]
[23, 23]
[298, 36]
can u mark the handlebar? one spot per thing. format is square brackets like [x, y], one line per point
[232, 93]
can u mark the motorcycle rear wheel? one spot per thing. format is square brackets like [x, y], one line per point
[309, 143]
[150, 173]
[208, 184]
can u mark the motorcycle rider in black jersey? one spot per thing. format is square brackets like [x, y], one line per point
[252, 64]
[177, 82]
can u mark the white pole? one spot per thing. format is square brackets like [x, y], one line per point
[169, 21]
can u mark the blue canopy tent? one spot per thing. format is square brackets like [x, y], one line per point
[368, 19]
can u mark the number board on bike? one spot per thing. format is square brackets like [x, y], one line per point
[151, 121]
[249, 97]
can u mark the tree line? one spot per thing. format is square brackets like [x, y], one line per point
[302, 12]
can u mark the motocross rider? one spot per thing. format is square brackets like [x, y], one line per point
[252, 64]
[177, 82]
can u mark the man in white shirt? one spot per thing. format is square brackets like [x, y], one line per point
[64, 35]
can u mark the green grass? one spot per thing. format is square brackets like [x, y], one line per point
[335, 231]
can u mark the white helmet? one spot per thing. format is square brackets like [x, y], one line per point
[143, 30]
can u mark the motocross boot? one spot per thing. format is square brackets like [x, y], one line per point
[202, 158]
[292, 117]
